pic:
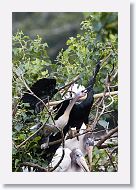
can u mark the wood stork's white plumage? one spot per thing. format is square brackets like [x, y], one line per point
[84, 142]
[64, 165]
[73, 161]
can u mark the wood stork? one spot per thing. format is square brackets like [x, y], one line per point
[85, 144]
[73, 161]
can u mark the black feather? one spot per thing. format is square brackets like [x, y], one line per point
[44, 89]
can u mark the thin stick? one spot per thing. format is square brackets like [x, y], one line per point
[37, 98]
[110, 158]
[63, 152]
[76, 135]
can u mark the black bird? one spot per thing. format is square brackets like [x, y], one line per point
[80, 111]
[78, 115]
[45, 89]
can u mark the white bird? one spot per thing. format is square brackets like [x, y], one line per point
[78, 162]
[63, 166]
[73, 161]
[84, 142]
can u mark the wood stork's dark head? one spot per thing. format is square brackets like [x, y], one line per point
[78, 161]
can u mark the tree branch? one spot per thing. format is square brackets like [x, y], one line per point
[63, 152]
[100, 95]
[104, 138]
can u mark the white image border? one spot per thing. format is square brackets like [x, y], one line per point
[123, 174]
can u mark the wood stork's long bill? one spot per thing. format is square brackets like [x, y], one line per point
[78, 162]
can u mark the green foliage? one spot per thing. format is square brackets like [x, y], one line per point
[101, 161]
[83, 52]
[30, 61]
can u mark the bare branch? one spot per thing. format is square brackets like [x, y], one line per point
[110, 158]
[104, 138]
[100, 95]
[63, 152]
[106, 58]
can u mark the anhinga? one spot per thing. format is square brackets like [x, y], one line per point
[73, 161]
[62, 121]
[80, 111]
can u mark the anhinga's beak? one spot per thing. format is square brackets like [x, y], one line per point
[82, 163]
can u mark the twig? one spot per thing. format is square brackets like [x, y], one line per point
[22, 79]
[14, 110]
[114, 76]
[106, 58]
[115, 149]
[97, 116]
[24, 142]
[14, 144]
[75, 135]
[63, 152]
[110, 158]
[103, 146]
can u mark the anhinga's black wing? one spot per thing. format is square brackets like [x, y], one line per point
[44, 89]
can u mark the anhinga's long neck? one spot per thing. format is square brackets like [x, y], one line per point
[70, 106]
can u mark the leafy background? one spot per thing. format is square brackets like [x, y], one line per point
[60, 45]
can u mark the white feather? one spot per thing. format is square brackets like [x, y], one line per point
[64, 165]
